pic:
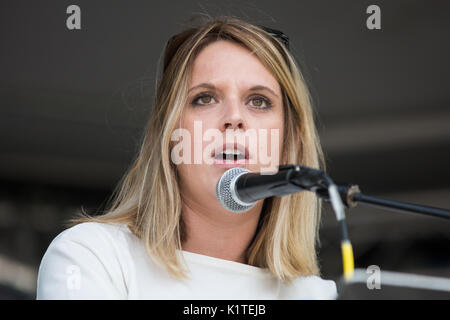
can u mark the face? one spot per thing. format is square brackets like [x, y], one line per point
[233, 118]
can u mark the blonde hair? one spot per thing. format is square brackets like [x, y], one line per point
[147, 199]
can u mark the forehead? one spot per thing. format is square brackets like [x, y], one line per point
[225, 61]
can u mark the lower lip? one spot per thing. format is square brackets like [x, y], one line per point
[230, 163]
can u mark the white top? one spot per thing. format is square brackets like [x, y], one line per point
[104, 261]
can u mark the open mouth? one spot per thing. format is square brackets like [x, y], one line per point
[231, 152]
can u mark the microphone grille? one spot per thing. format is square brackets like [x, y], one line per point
[224, 192]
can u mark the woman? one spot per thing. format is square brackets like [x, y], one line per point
[165, 235]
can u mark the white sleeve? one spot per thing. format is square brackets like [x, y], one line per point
[72, 269]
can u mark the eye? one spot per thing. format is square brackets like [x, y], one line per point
[202, 99]
[260, 102]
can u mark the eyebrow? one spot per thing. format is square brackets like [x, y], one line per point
[213, 87]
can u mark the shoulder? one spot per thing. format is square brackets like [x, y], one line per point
[90, 251]
[102, 240]
[89, 231]
[314, 288]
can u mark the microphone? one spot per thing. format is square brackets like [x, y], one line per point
[239, 189]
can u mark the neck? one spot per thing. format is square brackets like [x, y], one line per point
[218, 233]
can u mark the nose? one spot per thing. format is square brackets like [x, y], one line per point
[233, 118]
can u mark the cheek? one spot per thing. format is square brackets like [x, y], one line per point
[268, 146]
[197, 122]
[279, 125]
[191, 166]
[275, 128]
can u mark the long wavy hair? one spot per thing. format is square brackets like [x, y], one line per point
[147, 198]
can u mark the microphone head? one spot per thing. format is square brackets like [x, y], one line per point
[226, 192]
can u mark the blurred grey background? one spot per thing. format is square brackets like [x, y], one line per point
[73, 105]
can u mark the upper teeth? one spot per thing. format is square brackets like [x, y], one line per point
[230, 153]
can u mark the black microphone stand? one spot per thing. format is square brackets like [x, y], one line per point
[351, 195]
